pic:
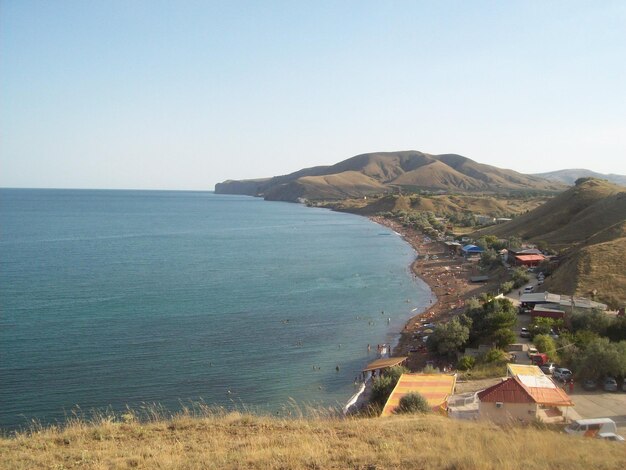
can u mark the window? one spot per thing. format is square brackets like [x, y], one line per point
[499, 404]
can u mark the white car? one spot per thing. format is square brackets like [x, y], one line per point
[528, 289]
[610, 436]
[562, 373]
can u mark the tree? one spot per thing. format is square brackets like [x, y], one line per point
[545, 344]
[413, 403]
[600, 358]
[506, 287]
[492, 316]
[495, 355]
[543, 325]
[383, 385]
[489, 258]
[447, 338]
[596, 321]
[503, 337]
[466, 363]
[519, 277]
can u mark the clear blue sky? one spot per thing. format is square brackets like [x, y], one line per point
[184, 94]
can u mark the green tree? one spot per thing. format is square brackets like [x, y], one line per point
[543, 325]
[413, 403]
[448, 338]
[600, 358]
[596, 321]
[492, 316]
[519, 276]
[383, 385]
[506, 287]
[495, 356]
[503, 337]
[545, 344]
[466, 363]
[489, 259]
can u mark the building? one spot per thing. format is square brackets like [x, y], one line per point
[566, 303]
[469, 250]
[435, 388]
[528, 260]
[523, 399]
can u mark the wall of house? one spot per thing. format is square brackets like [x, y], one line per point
[518, 412]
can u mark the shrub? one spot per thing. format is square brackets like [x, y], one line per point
[413, 403]
[383, 385]
[495, 355]
[506, 287]
[466, 363]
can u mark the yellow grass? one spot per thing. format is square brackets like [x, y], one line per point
[236, 440]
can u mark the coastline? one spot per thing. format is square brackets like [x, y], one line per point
[448, 278]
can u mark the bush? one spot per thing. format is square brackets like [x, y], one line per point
[545, 344]
[383, 385]
[506, 287]
[413, 403]
[495, 355]
[519, 277]
[466, 363]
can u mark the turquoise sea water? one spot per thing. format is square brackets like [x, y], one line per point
[115, 298]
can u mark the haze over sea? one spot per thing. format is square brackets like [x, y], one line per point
[115, 298]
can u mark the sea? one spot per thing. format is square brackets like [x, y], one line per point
[112, 299]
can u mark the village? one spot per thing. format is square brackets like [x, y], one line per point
[530, 370]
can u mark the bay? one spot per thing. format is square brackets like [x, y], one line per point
[121, 298]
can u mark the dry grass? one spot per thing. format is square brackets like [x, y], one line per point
[236, 440]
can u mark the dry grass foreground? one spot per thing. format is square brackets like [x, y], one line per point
[237, 440]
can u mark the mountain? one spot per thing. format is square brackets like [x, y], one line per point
[376, 173]
[570, 176]
[587, 223]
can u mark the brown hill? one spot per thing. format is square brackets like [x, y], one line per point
[588, 224]
[373, 173]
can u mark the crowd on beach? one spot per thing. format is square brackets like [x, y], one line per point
[448, 277]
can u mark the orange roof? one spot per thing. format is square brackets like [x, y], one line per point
[530, 257]
[512, 390]
[436, 388]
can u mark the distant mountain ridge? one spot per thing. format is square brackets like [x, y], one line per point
[570, 176]
[373, 173]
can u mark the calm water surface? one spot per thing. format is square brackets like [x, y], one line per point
[115, 298]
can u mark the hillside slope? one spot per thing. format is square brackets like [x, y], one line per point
[588, 224]
[235, 441]
[375, 173]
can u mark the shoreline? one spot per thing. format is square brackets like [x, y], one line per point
[448, 278]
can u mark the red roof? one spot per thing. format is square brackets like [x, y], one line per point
[507, 391]
[530, 257]
[513, 390]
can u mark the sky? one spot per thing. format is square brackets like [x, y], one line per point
[185, 94]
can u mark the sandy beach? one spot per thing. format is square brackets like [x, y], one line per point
[448, 276]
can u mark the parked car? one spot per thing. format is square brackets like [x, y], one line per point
[590, 384]
[610, 436]
[561, 373]
[525, 333]
[531, 351]
[609, 384]
[528, 289]
[548, 368]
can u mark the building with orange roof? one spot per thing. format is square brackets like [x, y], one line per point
[435, 388]
[523, 398]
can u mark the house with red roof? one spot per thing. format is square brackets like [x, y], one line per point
[524, 399]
